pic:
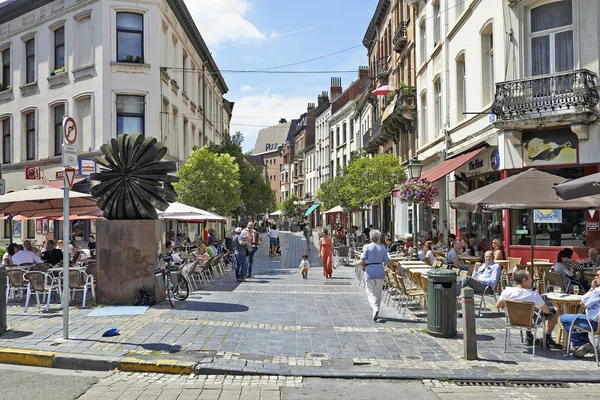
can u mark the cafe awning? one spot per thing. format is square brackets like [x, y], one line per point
[311, 209]
[334, 210]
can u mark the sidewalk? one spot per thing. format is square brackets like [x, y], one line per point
[280, 324]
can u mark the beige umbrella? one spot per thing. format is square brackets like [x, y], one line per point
[45, 201]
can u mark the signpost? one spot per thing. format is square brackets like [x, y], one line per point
[69, 163]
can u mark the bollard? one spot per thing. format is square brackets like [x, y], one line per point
[2, 300]
[469, 326]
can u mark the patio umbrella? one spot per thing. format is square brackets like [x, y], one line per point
[183, 212]
[44, 201]
[582, 187]
[383, 90]
[336, 209]
[529, 190]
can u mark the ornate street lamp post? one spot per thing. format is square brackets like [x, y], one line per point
[414, 170]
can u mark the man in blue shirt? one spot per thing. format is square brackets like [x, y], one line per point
[591, 301]
[486, 275]
[452, 256]
[241, 256]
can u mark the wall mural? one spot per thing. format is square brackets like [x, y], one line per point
[558, 146]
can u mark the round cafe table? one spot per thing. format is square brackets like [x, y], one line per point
[565, 304]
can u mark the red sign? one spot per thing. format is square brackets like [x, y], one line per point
[70, 176]
[32, 173]
[69, 130]
[592, 226]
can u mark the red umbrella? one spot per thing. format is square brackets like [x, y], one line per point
[383, 90]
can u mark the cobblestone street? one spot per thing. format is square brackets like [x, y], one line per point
[278, 323]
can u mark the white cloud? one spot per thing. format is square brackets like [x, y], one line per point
[265, 110]
[246, 88]
[224, 21]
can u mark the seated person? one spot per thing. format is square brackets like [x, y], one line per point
[409, 244]
[524, 293]
[52, 255]
[429, 257]
[591, 301]
[466, 249]
[208, 249]
[563, 266]
[420, 252]
[26, 255]
[594, 258]
[173, 252]
[452, 257]
[487, 274]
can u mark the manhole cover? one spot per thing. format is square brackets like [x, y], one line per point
[333, 283]
[316, 355]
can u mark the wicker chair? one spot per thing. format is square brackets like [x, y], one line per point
[519, 316]
[80, 281]
[15, 281]
[40, 282]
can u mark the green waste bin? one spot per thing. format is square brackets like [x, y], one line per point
[441, 303]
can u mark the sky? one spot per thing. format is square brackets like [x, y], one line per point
[259, 34]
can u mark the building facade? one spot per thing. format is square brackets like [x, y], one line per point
[104, 64]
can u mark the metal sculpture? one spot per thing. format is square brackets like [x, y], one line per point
[134, 182]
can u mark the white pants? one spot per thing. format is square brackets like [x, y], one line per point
[374, 288]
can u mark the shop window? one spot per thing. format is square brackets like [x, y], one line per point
[558, 228]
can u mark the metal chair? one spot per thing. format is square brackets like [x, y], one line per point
[79, 281]
[593, 334]
[14, 281]
[520, 316]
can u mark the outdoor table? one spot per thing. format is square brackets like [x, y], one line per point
[542, 267]
[565, 304]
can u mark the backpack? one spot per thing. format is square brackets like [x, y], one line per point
[144, 298]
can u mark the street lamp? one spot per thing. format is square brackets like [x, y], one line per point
[414, 170]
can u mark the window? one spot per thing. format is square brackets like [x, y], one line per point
[423, 119]
[352, 130]
[438, 107]
[59, 114]
[30, 61]
[5, 70]
[130, 114]
[461, 88]
[423, 42]
[59, 48]
[30, 135]
[184, 72]
[130, 37]
[85, 46]
[344, 133]
[31, 229]
[551, 38]
[6, 151]
[487, 64]
[437, 23]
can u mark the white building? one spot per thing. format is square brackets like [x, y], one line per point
[322, 150]
[116, 67]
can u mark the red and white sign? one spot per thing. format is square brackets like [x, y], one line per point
[70, 176]
[592, 226]
[32, 173]
[69, 130]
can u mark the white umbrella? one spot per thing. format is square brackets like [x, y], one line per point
[275, 213]
[337, 209]
[45, 201]
[183, 212]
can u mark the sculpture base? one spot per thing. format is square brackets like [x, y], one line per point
[126, 257]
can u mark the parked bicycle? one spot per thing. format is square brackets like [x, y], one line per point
[176, 285]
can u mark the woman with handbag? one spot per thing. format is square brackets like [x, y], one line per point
[326, 253]
[372, 259]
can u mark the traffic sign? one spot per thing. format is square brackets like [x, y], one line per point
[2, 186]
[32, 173]
[69, 130]
[69, 156]
[70, 176]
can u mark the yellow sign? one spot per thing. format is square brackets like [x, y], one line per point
[390, 109]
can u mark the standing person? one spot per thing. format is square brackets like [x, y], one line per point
[308, 234]
[253, 239]
[372, 259]
[240, 244]
[366, 232]
[326, 253]
[304, 266]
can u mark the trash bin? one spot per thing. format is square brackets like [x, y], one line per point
[2, 299]
[441, 303]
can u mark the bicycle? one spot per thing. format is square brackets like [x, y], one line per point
[177, 286]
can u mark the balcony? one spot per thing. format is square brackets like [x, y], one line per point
[383, 68]
[366, 140]
[401, 37]
[569, 97]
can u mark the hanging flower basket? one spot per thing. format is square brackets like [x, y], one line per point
[419, 191]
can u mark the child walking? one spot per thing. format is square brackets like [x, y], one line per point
[304, 266]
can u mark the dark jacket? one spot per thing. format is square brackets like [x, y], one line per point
[53, 257]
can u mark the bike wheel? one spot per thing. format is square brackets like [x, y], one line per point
[182, 291]
[169, 290]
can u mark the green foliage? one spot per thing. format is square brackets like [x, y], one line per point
[210, 181]
[2, 252]
[335, 192]
[288, 208]
[257, 195]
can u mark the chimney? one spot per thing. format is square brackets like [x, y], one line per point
[283, 121]
[363, 73]
[311, 106]
[336, 88]
[322, 99]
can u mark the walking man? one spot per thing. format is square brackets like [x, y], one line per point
[308, 234]
[240, 244]
[372, 259]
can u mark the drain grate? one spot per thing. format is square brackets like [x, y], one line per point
[333, 283]
[525, 384]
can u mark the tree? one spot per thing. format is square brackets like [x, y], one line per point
[372, 179]
[335, 192]
[210, 181]
[257, 195]
[288, 208]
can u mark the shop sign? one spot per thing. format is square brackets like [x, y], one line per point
[592, 226]
[558, 146]
[479, 163]
[495, 160]
[547, 216]
[86, 167]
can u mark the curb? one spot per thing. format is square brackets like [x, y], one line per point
[40, 358]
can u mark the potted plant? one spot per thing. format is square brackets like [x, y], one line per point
[58, 71]
[418, 191]
[408, 93]
[139, 59]
[129, 58]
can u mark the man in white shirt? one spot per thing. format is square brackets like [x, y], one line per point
[26, 255]
[524, 293]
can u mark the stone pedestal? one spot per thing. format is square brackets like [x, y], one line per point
[126, 256]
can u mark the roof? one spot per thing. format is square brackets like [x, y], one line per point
[15, 8]
[273, 136]
[254, 159]
[322, 108]
[353, 91]
[370, 36]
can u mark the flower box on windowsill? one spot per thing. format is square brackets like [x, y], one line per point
[132, 67]
[29, 89]
[57, 80]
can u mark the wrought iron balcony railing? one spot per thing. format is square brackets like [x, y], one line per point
[383, 67]
[545, 95]
[366, 139]
[401, 37]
